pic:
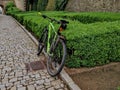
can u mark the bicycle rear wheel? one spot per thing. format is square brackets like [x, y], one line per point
[42, 42]
[56, 58]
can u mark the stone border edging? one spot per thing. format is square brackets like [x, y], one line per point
[64, 76]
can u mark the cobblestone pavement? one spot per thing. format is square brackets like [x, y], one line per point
[16, 48]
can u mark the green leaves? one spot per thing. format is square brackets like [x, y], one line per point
[95, 43]
[60, 4]
[41, 5]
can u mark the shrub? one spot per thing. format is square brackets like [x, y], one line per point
[87, 44]
[9, 5]
[11, 8]
[93, 44]
[92, 17]
[85, 17]
[118, 88]
[41, 5]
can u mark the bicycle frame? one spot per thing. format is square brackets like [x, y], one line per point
[53, 44]
[50, 28]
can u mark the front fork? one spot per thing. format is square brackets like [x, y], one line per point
[55, 43]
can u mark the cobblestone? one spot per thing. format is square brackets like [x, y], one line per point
[13, 88]
[16, 49]
[31, 87]
[21, 88]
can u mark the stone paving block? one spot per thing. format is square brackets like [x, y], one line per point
[5, 80]
[21, 88]
[40, 82]
[11, 73]
[13, 79]
[31, 83]
[19, 85]
[62, 85]
[37, 76]
[2, 86]
[3, 89]
[19, 78]
[51, 88]
[60, 89]
[40, 87]
[30, 87]
[47, 80]
[56, 82]
[43, 77]
[57, 86]
[26, 77]
[47, 84]
[13, 88]
[18, 74]
[9, 84]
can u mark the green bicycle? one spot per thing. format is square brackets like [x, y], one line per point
[53, 43]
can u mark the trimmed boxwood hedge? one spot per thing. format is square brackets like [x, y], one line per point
[93, 44]
[87, 44]
[85, 17]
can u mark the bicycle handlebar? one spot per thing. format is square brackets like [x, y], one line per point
[59, 22]
[62, 22]
[44, 16]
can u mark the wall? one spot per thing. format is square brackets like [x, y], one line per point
[93, 5]
[20, 4]
[4, 2]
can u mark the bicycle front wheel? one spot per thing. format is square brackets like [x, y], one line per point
[56, 58]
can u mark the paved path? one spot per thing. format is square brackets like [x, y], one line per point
[16, 48]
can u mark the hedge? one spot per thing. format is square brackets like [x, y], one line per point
[93, 44]
[11, 8]
[85, 17]
[87, 44]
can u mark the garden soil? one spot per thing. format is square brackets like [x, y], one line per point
[105, 77]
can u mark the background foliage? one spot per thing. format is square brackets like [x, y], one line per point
[60, 4]
[40, 5]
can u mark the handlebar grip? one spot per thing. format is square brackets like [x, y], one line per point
[67, 21]
[64, 21]
[59, 22]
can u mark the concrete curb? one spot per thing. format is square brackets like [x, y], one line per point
[64, 76]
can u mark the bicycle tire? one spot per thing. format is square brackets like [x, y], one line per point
[55, 59]
[42, 42]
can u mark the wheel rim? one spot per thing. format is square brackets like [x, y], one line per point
[56, 59]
